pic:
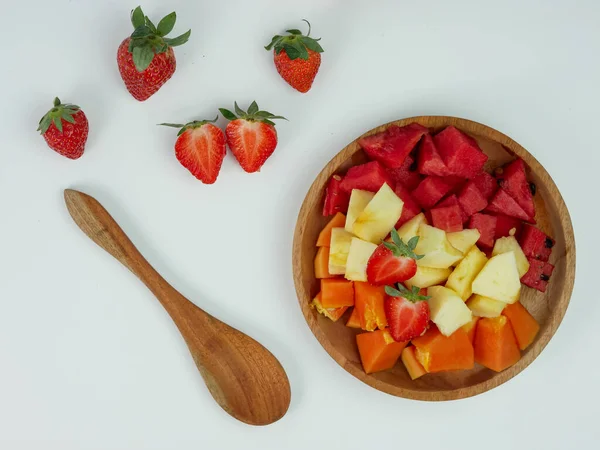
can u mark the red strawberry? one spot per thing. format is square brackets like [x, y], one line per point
[393, 262]
[200, 148]
[252, 136]
[65, 129]
[407, 312]
[297, 58]
[146, 59]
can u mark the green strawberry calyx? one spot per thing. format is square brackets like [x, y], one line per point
[148, 40]
[411, 295]
[58, 113]
[190, 125]
[295, 44]
[401, 249]
[254, 114]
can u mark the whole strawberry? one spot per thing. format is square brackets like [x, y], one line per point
[200, 148]
[146, 59]
[251, 136]
[297, 58]
[65, 129]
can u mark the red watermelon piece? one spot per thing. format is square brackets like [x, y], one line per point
[406, 174]
[470, 199]
[392, 146]
[451, 200]
[538, 275]
[502, 203]
[486, 184]
[504, 224]
[368, 177]
[431, 190]
[535, 243]
[447, 218]
[429, 161]
[460, 152]
[486, 225]
[410, 209]
[513, 179]
[336, 200]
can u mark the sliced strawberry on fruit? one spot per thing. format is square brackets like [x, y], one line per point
[146, 59]
[406, 311]
[65, 129]
[200, 148]
[336, 200]
[297, 58]
[251, 135]
[393, 262]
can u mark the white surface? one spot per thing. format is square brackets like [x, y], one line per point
[89, 360]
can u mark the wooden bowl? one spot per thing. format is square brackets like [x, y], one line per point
[548, 308]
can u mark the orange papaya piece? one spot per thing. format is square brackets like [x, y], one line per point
[354, 319]
[413, 366]
[523, 324]
[336, 293]
[338, 221]
[495, 343]
[368, 301]
[322, 263]
[439, 353]
[331, 313]
[378, 350]
[470, 328]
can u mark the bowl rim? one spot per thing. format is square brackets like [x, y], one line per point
[561, 305]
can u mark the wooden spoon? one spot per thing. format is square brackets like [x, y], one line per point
[243, 376]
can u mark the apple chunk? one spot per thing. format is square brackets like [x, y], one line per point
[358, 202]
[482, 306]
[510, 244]
[410, 229]
[499, 279]
[461, 279]
[437, 251]
[358, 257]
[463, 240]
[379, 216]
[447, 309]
[338, 251]
[428, 276]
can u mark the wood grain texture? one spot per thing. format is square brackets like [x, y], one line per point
[243, 376]
[548, 309]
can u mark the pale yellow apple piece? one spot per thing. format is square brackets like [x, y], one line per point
[482, 306]
[410, 229]
[435, 248]
[358, 257]
[338, 251]
[499, 279]
[447, 309]
[462, 277]
[379, 216]
[463, 240]
[358, 202]
[510, 244]
[428, 276]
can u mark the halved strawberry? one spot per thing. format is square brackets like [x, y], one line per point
[251, 136]
[393, 262]
[200, 148]
[406, 312]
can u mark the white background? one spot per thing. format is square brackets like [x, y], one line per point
[89, 360]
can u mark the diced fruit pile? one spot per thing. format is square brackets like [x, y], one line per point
[426, 252]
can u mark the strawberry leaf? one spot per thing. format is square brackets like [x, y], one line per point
[312, 44]
[410, 295]
[239, 111]
[293, 31]
[137, 17]
[58, 123]
[165, 26]
[142, 57]
[253, 108]
[179, 40]
[151, 25]
[413, 241]
[227, 114]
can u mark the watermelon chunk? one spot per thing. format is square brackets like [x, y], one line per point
[431, 190]
[470, 199]
[502, 203]
[406, 174]
[447, 218]
[504, 224]
[367, 177]
[538, 275]
[513, 179]
[451, 200]
[460, 153]
[410, 209]
[535, 243]
[392, 146]
[336, 200]
[429, 160]
[486, 225]
[486, 184]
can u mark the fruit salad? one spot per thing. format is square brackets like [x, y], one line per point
[427, 253]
